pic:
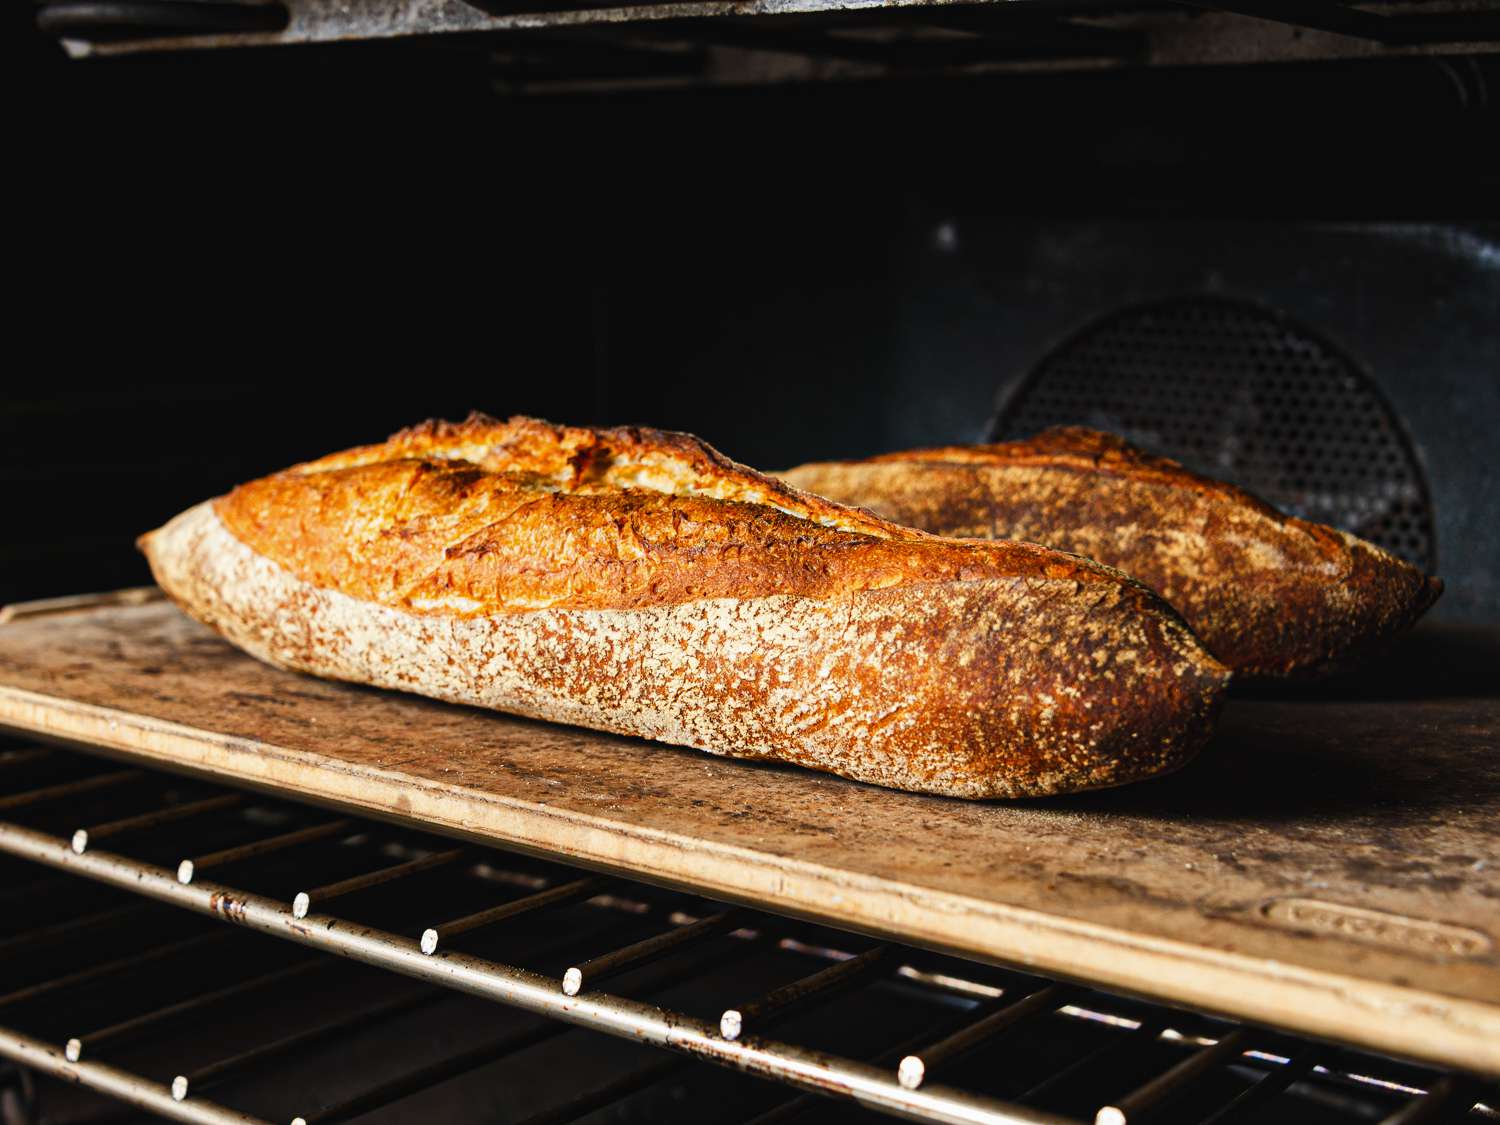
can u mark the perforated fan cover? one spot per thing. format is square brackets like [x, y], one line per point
[1238, 392]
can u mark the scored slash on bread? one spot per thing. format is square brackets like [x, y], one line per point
[638, 581]
[1269, 594]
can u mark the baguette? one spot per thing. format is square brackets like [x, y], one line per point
[1270, 595]
[639, 582]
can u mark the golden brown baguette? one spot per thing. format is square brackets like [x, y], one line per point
[1269, 594]
[637, 581]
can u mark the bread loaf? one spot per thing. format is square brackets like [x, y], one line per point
[1268, 594]
[637, 581]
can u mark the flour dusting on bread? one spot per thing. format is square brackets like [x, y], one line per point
[637, 581]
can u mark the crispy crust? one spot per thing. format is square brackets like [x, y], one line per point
[641, 583]
[1269, 594]
[488, 517]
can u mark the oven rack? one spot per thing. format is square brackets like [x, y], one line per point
[572, 45]
[59, 809]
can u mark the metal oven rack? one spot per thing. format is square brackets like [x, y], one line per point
[574, 45]
[104, 985]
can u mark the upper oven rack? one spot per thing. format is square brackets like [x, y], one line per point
[580, 44]
[269, 842]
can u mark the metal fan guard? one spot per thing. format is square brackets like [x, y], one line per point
[1239, 392]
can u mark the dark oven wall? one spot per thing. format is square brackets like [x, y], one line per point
[1348, 371]
[931, 340]
[312, 247]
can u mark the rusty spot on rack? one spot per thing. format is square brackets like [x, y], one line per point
[227, 906]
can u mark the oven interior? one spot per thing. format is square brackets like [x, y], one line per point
[1261, 238]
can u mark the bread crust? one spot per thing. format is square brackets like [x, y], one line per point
[1271, 595]
[704, 605]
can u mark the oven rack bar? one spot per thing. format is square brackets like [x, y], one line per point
[673, 43]
[47, 1058]
[894, 1081]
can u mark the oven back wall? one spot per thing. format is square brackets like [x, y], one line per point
[1414, 307]
[920, 340]
[329, 244]
[846, 334]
